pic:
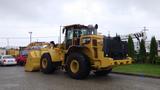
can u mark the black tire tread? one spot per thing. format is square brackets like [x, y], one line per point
[84, 66]
[50, 68]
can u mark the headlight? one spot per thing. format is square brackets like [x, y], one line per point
[86, 40]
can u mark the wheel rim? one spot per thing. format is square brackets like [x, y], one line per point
[44, 63]
[74, 66]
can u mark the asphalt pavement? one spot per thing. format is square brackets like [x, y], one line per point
[15, 78]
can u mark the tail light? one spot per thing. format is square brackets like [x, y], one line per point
[4, 60]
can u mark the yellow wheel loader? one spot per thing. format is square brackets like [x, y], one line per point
[81, 52]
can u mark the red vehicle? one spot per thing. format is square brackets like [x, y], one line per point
[22, 58]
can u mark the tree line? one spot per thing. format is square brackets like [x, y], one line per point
[141, 56]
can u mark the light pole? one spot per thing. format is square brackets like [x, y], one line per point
[60, 34]
[30, 33]
[7, 42]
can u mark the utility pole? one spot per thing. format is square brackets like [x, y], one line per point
[108, 33]
[60, 35]
[30, 33]
[7, 42]
[37, 40]
[144, 33]
[145, 29]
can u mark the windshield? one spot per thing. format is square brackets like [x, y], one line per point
[88, 31]
[83, 31]
[5, 57]
[24, 53]
[78, 32]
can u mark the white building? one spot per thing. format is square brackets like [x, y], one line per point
[147, 45]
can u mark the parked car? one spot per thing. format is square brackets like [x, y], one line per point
[7, 60]
[21, 60]
[22, 57]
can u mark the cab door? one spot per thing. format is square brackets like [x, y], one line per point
[69, 38]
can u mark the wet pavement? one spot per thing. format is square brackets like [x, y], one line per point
[14, 78]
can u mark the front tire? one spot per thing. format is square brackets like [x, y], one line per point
[77, 66]
[46, 64]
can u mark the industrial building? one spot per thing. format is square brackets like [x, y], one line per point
[147, 45]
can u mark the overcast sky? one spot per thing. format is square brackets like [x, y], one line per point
[44, 17]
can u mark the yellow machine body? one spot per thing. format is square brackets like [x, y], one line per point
[95, 53]
[82, 50]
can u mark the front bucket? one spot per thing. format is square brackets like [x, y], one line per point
[33, 61]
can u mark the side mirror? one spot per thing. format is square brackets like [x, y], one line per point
[96, 26]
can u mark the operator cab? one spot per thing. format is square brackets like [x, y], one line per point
[74, 32]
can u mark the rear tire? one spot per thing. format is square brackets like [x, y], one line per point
[46, 64]
[77, 66]
[102, 72]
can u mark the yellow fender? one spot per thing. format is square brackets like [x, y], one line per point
[33, 61]
[56, 54]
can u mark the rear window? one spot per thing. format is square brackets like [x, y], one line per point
[24, 53]
[5, 57]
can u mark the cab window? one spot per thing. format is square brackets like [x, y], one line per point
[70, 34]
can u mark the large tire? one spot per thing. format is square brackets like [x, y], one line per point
[83, 67]
[46, 64]
[102, 72]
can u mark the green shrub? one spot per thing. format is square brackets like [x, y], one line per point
[131, 52]
[142, 52]
[153, 51]
[158, 60]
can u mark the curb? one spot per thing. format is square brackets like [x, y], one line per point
[139, 75]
